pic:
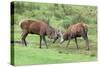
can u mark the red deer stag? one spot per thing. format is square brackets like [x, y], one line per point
[37, 27]
[74, 31]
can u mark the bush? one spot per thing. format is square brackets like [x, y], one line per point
[67, 21]
[67, 14]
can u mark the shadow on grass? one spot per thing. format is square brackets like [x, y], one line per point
[12, 42]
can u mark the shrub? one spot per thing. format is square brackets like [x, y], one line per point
[67, 21]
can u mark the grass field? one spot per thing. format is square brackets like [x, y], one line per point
[56, 53]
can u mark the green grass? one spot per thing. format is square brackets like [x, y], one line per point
[56, 53]
[34, 55]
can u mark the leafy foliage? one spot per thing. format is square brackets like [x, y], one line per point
[57, 12]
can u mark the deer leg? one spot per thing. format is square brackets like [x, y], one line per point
[45, 41]
[40, 41]
[24, 34]
[76, 43]
[85, 37]
[68, 43]
[55, 40]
